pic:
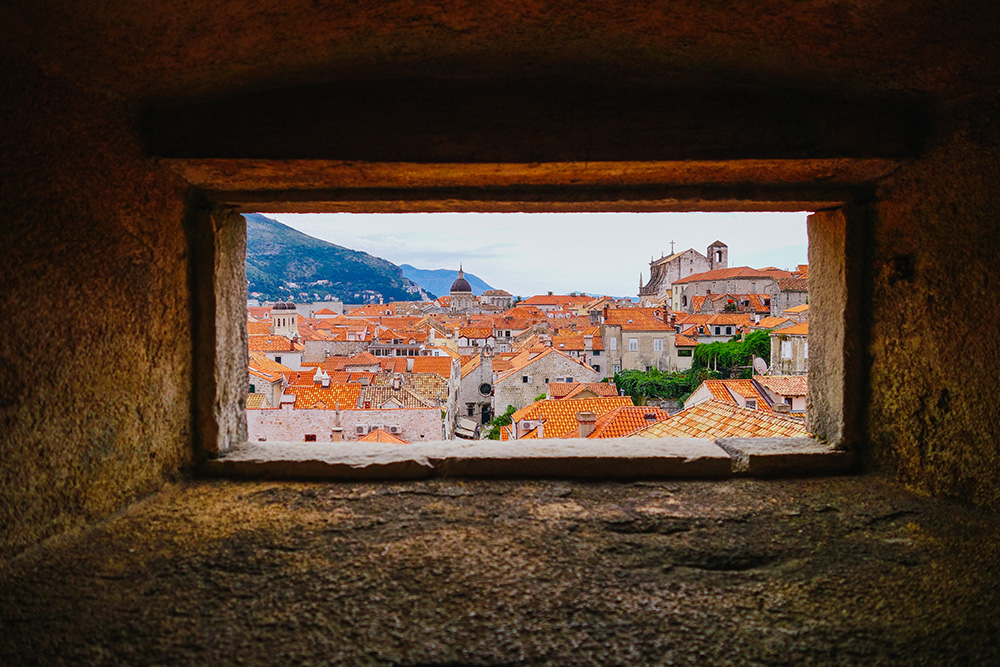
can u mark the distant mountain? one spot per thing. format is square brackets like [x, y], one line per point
[438, 281]
[285, 264]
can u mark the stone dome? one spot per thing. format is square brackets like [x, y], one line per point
[460, 284]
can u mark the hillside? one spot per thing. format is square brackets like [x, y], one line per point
[438, 281]
[283, 263]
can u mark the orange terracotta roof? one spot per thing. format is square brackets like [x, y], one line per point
[475, 332]
[725, 390]
[684, 341]
[559, 416]
[338, 396]
[576, 342]
[439, 365]
[378, 435]
[715, 419]
[794, 284]
[270, 343]
[795, 330]
[262, 363]
[256, 402]
[556, 300]
[784, 385]
[795, 310]
[619, 422]
[362, 359]
[379, 396]
[735, 272]
[564, 390]
[636, 319]
[771, 322]
[258, 328]
[259, 312]
[324, 311]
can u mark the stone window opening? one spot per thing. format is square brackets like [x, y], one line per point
[617, 367]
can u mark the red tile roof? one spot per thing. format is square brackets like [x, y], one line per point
[565, 390]
[270, 343]
[378, 435]
[559, 416]
[784, 385]
[796, 330]
[619, 422]
[725, 389]
[715, 419]
[735, 272]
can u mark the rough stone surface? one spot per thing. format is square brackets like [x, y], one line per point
[840, 571]
[95, 395]
[565, 458]
[935, 351]
[785, 457]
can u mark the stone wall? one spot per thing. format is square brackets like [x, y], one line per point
[934, 360]
[512, 391]
[96, 392]
[289, 425]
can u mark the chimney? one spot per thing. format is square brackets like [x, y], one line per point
[649, 417]
[586, 420]
[781, 408]
[337, 434]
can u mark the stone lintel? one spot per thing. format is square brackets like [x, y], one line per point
[532, 120]
[785, 457]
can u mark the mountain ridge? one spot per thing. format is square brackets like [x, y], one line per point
[285, 264]
[438, 281]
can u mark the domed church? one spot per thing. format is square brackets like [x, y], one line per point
[461, 299]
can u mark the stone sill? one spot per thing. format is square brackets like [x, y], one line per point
[626, 458]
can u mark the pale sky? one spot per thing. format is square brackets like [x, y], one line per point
[532, 253]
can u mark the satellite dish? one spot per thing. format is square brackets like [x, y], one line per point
[760, 366]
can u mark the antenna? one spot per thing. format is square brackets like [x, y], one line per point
[760, 366]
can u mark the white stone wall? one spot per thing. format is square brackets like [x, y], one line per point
[290, 425]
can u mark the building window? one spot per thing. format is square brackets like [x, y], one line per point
[633, 344]
[683, 353]
[569, 379]
[752, 403]
[524, 379]
[729, 331]
[597, 368]
[613, 344]
[805, 349]
[310, 437]
[786, 349]
[718, 331]
[657, 345]
[471, 408]
[618, 368]
[596, 353]
[253, 389]
[277, 360]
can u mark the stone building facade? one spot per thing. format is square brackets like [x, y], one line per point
[520, 386]
[790, 350]
[664, 272]
[294, 425]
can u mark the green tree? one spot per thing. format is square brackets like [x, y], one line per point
[502, 420]
[725, 357]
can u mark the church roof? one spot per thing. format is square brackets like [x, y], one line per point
[461, 284]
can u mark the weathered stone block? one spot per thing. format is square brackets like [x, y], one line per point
[785, 457]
